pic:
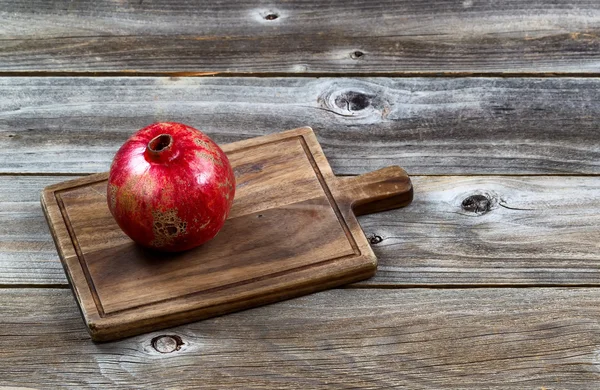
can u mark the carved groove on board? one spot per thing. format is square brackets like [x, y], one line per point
[78, 251]
[329, 195]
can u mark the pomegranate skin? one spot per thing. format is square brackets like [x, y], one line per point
[170, 187]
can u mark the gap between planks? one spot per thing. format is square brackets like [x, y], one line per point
[409, 74]
[60, 286]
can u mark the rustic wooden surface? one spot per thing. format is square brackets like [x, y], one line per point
[426, 125]
[503, 230]
[268, 37]
[283, 185]
[543, 338]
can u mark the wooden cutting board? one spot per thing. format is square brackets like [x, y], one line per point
[292, 230]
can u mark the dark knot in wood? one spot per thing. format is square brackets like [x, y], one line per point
[374, 239]
[271, 16]
[355, 55]
[478, 204]
[167, 344]
[353, 101]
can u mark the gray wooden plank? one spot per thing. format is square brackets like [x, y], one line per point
[426, 125]
[301, 37]
[537, 230]
[503, 230]
[415, 338]
[27, 252]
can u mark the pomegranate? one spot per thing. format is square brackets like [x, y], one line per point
[170, 187]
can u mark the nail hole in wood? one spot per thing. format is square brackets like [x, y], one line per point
[271, 16]
[260, 215]
[167, 344]
[356, 54]
[478, 204]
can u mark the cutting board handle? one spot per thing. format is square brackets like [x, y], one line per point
[381, 190]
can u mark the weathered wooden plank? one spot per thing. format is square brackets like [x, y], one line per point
[373, 338]
[27, 252]
[539, 230]
[491, 231]
[301, 37]
[426, 125]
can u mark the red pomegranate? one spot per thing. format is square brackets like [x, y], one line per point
[170, 187]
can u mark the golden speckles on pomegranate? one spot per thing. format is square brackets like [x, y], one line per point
[167, 227]
[203, 143]
[208, 156]
[126, 198]
[227, 186]
[112, 195]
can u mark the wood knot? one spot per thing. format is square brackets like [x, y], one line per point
[353, 101]
[355, 55]
[374, 239]
[167, 344]
[268, 15]
[478, 204]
